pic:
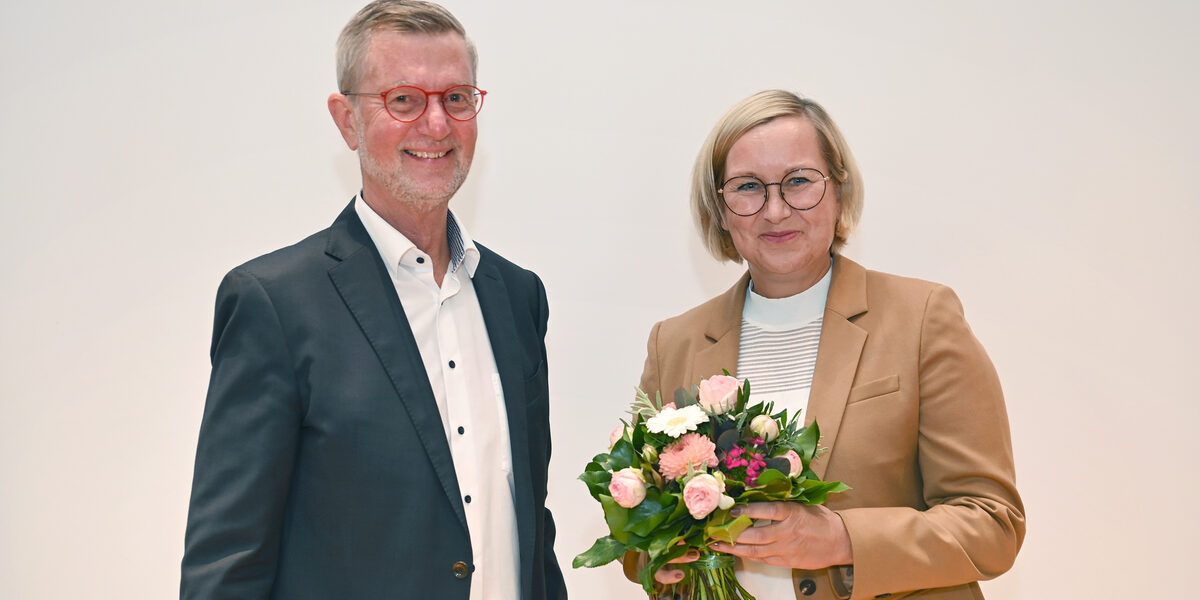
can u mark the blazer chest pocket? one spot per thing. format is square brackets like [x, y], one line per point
[874, 389]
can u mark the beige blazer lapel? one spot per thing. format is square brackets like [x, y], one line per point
[838, 353]
[724, 329]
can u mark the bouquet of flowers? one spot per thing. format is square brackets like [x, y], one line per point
[674, 471]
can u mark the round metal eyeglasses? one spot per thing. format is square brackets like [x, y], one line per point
[801, 189]
[406, 103]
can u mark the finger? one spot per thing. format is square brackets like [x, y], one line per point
[668, 575]
[765, 534]
[692, 556]
[758, 553]
[772, 511]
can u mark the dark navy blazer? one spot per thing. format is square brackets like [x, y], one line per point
[322, 469]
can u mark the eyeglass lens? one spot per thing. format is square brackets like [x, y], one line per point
[802, 189]
[408, 103]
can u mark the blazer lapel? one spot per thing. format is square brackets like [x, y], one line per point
[838, 353]
[492, 293]
[366, 287]
[724, 330]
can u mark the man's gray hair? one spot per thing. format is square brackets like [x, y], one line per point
[403, 16]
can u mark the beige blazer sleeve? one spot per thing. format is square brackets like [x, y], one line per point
[913, 418]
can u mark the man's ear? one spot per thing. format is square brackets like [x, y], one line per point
[343, 117]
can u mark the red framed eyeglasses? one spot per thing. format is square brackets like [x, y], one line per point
[406, 103]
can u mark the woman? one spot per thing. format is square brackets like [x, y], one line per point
[909, 406]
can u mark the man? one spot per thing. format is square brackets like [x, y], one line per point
[377, 421]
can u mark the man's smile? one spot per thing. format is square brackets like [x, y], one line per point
[420, 154]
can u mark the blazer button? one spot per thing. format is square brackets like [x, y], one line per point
[807, 586]
[461, 570]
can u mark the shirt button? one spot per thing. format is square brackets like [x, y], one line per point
[451, 364]
[468, 498]
[461, 430]
[461, 570]
[420, 260]
[807, 586]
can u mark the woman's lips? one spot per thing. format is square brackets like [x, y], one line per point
[778, 236]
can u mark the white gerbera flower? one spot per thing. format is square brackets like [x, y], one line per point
[676, 422]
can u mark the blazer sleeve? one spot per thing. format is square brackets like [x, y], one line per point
[651, 382]
[974, 522]
[246, 450]
[633, 562]
[555, 585]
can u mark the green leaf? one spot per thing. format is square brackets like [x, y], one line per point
[728, 532]
[719, 517]
[622, 455]
[617, 518]
[604, 551]
[667, 537]
[779, 463]
[769, 476]
[743, 396]
[652, 512]
[761, 496]
[684, 398]
[806, 444]
[597, 482]
[679, 512]
[771, 481]
[600, 460]
[816, 491]
[643, 406]
[658, 440]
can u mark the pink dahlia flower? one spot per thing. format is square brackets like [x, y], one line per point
[692, 449]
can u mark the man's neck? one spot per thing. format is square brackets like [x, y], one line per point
[425, 227]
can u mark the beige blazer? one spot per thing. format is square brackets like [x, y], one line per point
[913, 418]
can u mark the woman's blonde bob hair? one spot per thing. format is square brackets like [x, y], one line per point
[760, 108]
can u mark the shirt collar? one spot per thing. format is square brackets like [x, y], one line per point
[396, 249]
[790, 311]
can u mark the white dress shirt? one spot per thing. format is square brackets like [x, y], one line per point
[448, 326]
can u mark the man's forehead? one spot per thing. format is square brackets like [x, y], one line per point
[392, 54]
[387, 41]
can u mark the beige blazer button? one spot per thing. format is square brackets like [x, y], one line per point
[461, 570]
[807, 586]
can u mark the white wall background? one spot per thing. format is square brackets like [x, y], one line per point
[1039, 157]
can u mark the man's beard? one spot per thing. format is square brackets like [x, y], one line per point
[420, 197]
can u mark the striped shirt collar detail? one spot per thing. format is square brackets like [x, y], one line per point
[397, 250]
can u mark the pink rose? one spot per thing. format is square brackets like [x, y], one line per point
[794, 460]
[765, 427]
[627, 487]
[702, 494]
[616, 435]
[718, 394]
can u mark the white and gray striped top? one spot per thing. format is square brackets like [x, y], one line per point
[778, 353]
[778, 347]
